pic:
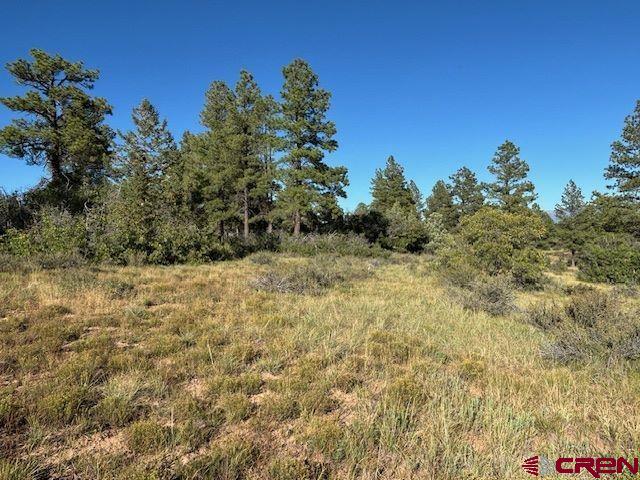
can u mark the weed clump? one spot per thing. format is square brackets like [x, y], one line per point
[147, 436]
[493, 295]
[288, 468]
[310, 278]
[228, 461]
[592, 325]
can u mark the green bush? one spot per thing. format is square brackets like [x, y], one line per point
[611, 258]
[56, 239]
[405, 231]
[499, 242]
[332, 243]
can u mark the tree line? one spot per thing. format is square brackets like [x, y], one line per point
[258, 171]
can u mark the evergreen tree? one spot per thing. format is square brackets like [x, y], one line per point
[146, 154]
[571, 203]
[441, 202]
[309, 183]
[416, 196]
[251, 120]
[62, 128]
[213, 169]
[466, 191]
[511, 188]
[624, 168]
[389, 187]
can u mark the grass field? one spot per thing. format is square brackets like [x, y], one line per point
[275, 367]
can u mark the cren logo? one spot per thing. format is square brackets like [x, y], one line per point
[594, 466]
[532, 465]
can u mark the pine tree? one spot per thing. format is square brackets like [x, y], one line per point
[145, 155]
[213, 169]
[441, 202]
[63, 127]
[511, 189]
[309, 183]
[418, 201]
[571, 203]
[466, 191]
[624, 166]
[250, 122]
[389, 187]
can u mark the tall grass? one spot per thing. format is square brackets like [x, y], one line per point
[192, 372]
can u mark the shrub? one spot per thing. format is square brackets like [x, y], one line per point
[612, 258]
[544, 315]
[54, 232]
[405, 231]
[332, 243]
[500, 242]
[493, 295]
[592, 325]
[309, 278]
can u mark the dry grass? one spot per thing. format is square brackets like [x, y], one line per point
[191, 372]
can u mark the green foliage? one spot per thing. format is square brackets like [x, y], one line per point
[405, 231]
[466, 191]
[309, 183]
[611, 258]
[62, 127]
[441, 202]
[389, 188]
[334, 243]
[511, 189]
[145, 156]
[367, 222]
[571, 203]
[501, 242]
[624, 166]
[13, 211]
[55, 238]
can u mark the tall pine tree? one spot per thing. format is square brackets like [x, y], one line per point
[511, 188]
[466, 191]
[441, 202]
[571, 203]
[624, 167]
[389, 187]
[62, 126]
[213, 163]
[146, 154]
[418, 201]
[250, 127]
[309, 183]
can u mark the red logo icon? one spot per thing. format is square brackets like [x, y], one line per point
[531, 466]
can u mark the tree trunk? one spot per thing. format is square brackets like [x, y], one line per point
[296, 223]
[246, 213]
[270, 227]
[221, 227]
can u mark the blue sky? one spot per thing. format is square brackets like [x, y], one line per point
[437, 84]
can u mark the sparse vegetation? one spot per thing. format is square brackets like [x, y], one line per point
[372, 375]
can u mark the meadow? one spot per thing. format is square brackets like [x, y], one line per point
[289, 368]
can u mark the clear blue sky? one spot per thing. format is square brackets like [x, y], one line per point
[437, 84]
